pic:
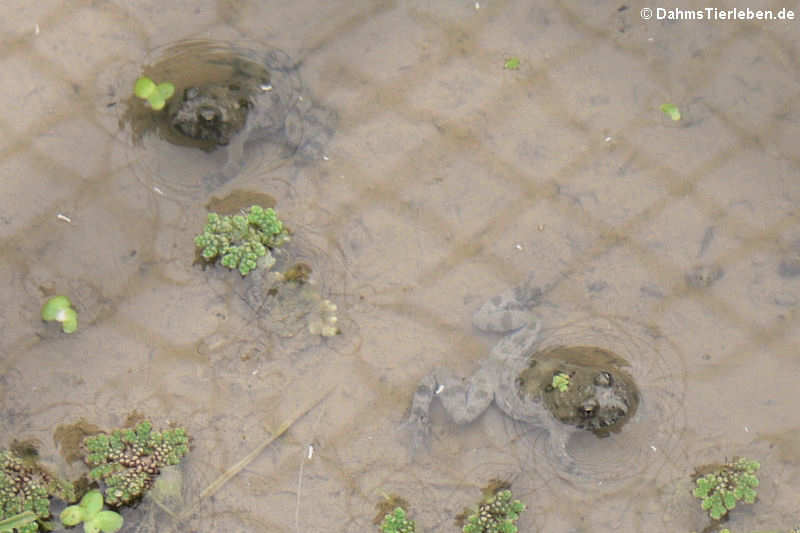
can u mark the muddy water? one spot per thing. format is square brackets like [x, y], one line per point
[448, 180]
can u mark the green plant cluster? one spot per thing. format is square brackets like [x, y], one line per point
[90, 512]
[59, 308]
[397, 522]
[128, 460]
[561, 381]
[496, 514]
[26, 487]
[730, 483]
[156, 95]
[241, 241]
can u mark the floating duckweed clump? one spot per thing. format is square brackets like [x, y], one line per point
[561, 381]
[59, 308]
[242, 241]
[26, 487]
[156, 95]
[128, 460]
[398, 522]
[496, 514]
[724, 486]
[671, 110]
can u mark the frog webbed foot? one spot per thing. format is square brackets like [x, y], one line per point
[509, 310]
[464, 401]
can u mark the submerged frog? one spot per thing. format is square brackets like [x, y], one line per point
[596, 394]
[261, 102]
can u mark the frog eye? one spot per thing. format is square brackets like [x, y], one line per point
[604, 379]
[588, 409]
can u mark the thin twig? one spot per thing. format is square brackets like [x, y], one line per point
[241, 465]
[300, 474]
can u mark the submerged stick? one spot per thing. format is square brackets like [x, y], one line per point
[241, 465]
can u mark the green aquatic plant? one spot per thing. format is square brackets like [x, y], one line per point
[156, 95]
[561, 381]
[24, 486]
[128, 460]
[242, 241]
[672, 111]
[90, 512]
[495, 514]
[725, 485]
[59, 308]
[17, 522]
[397, 522]
[511, 63]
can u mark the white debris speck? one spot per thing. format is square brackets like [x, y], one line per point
[265, 87]
[326, 158]
[608, 139]
[36, 30]
[518, 246]
[747, 429]
[477, 6]
[653, 448]
[439, 389]
[158, 191]
[65, 218]
[310, 451]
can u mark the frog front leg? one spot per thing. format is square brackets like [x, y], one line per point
[463, 399]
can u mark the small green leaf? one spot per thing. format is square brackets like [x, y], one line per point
[144, 87]
[72, 515]
[156, 101]
[166, 90]
[54, 306]
[108, 521]
[511, 64]
[671, 111]
[69, 322]
[561, 382]
[717, 511]
[92, 502]
[729, 500]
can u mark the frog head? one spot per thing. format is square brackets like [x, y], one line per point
[598, 396]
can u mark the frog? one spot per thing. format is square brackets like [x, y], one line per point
[595, 393]
[262, 103]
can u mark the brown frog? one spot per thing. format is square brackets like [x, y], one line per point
[262, 102]
[594, 392]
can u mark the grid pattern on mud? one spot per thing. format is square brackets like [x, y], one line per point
[592, 79]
